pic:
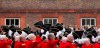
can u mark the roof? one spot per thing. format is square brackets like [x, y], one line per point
[50, 4]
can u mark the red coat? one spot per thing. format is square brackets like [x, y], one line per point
[20, 45]
[62, 45]
[17, 44]
[87, 46]
[7, 43]
[42, 45]
[97, 45]
[52, 43]
[74, 46]
[67, 45]
[2, 44]
[38, 38]
[23, 45]
[31, 44]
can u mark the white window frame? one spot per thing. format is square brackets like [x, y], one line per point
[14, 21]
[90, 21]
[50, 18]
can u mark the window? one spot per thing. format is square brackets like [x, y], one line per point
[52, 21]
[12, 21]
[88, 21]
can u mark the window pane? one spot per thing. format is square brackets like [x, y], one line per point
[7, 22]
[45, 21]
[83, 22]
[92, 22]
[12, 21]
[88, 21]
[50, 21]
[16, 21]
[54, 21]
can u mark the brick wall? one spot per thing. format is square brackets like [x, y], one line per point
[0, 4]
[98, 20]
[31, 17]
[68, 19]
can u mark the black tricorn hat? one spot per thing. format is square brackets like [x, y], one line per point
[59, 26]
[53, 29]
[68, 30]
[18, 29]
[77, 34]
[13, 28]
[89, 35]
[47, 26]
[5, 28]
[39, 24]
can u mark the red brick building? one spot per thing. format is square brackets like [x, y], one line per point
[69, 12]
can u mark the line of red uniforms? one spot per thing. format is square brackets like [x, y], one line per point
[95, 45]
[40, 44]
[5, 43]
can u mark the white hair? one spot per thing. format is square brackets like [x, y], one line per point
[22, 36]
[64, 39]
[69, 36]
[30, 35]
[51, 34]
[85, 40]
[2, 37]
[17, 38]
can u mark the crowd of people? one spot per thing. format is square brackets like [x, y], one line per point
[50, 36]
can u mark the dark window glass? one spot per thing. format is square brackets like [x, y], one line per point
[16, 21]
[7, 22]
[12, 21]
[54, 21]
[45, 21]
[50, 21]
[88, 21]
[83, 22]
[92, 22]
